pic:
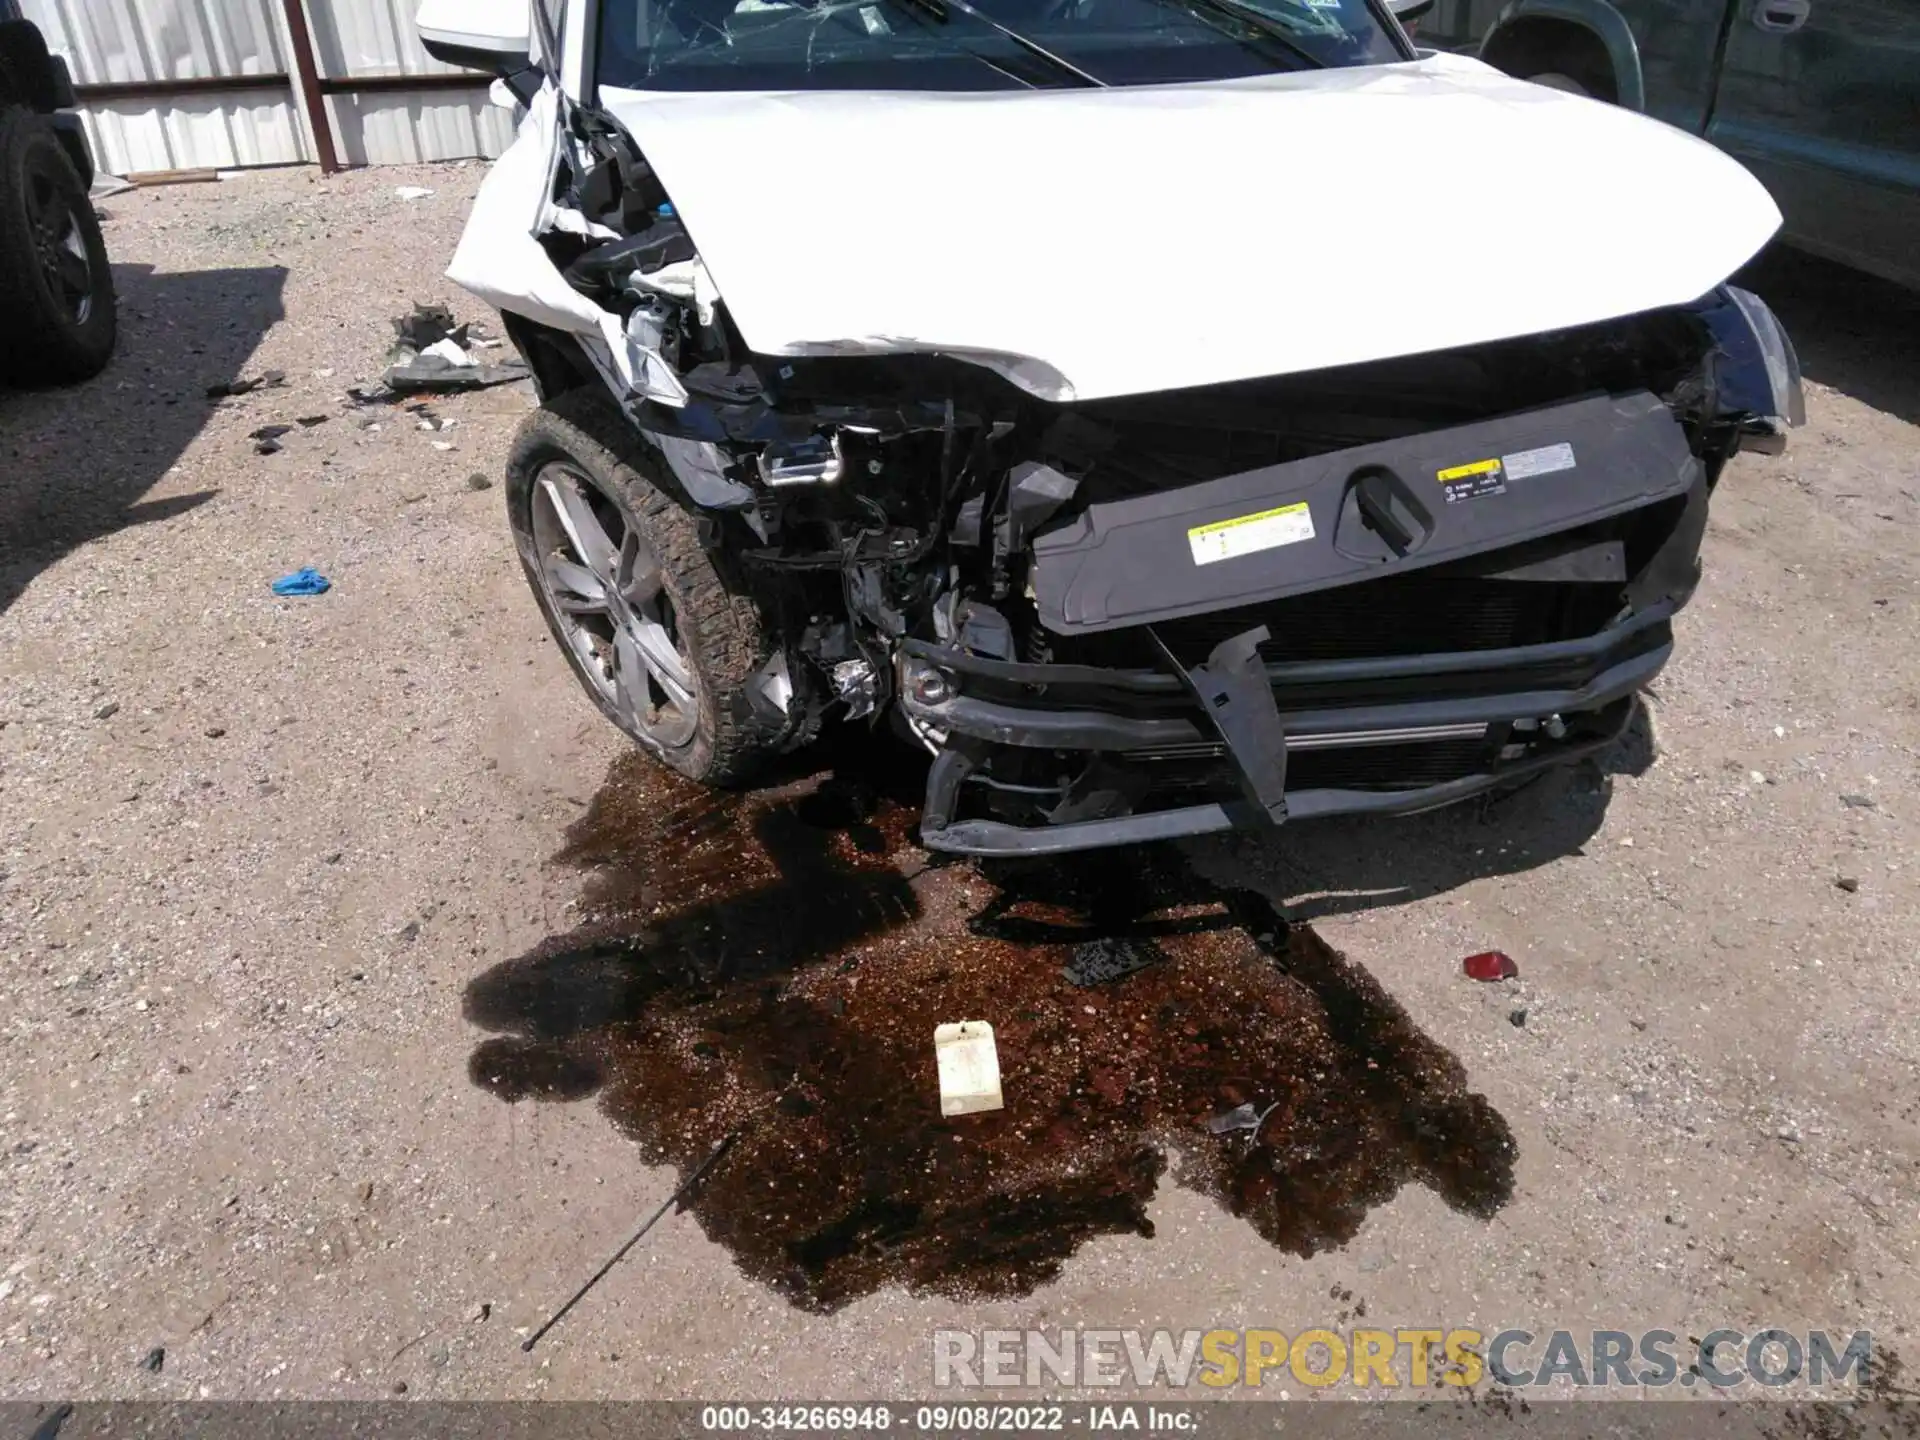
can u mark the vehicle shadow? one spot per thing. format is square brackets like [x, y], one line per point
[1852, 331]
[771, 967]
[1343, 865]
[77, 460]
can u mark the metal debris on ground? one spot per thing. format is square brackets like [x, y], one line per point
[1490, 965]
[1241, 1117]
[1109, 958]
[427, 325]
[267, 380]
[304, 581]
[431, 352]
[450, 352]
[431, 372]
[267, 438]
[684, 1188]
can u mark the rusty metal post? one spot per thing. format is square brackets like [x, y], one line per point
[315, 106]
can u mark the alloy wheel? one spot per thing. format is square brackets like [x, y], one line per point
[608, 591]
[58, 244]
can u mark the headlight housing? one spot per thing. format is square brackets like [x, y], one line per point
[1756, 372]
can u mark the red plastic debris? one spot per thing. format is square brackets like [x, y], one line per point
[1490, 965]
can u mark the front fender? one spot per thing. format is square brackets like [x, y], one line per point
[1599, 19]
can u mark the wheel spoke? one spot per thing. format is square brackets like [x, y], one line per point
[607, 590]
[576, 587]
[72, 270]
[590, 540]
[639, 577]
[662, 660]
[630, 676]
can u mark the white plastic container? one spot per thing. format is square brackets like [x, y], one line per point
[969, 1067]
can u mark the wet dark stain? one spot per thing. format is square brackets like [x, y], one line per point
[776, 962]
[517, 1069]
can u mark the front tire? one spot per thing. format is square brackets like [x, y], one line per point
[667, 645]
[57, 311]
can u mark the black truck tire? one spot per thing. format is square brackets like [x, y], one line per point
[57, 312]
[30, 75]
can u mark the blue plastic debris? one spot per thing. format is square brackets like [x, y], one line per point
[304, 581]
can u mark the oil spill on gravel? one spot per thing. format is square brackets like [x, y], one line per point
[780, 960]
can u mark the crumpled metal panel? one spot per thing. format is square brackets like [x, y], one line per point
[146, 40]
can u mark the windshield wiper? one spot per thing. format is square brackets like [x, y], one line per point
[1260, 20]
[938, 10]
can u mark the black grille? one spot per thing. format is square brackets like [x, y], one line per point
[1401, 615]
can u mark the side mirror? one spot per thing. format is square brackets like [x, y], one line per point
[1408, 11]
[493, 36]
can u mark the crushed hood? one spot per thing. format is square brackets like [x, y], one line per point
[1094, 243]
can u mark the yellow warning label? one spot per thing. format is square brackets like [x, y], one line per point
[1461, 472]
[1244, 534]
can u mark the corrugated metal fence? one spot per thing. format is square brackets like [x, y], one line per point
[389, 102]
[195, 84]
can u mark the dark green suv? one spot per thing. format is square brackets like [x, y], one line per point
[56, 289]
[1819, 98]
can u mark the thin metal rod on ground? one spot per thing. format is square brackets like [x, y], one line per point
[713, 1156]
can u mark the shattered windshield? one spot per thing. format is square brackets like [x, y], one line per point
[978, 44]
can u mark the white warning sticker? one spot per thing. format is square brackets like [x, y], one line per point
[1544, 461]
[1245, 534]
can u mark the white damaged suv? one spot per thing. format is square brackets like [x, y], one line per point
[1046, 380]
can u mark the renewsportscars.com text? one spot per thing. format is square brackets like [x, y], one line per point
[1385, 1360]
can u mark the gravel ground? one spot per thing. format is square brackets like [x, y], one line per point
[276, 874]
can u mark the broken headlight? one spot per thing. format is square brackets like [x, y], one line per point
[1756, 372]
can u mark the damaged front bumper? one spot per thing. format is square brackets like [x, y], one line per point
[1378, 737]
[1391, 655]
[1116, 617]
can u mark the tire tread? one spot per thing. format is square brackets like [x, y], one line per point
[736, 736]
